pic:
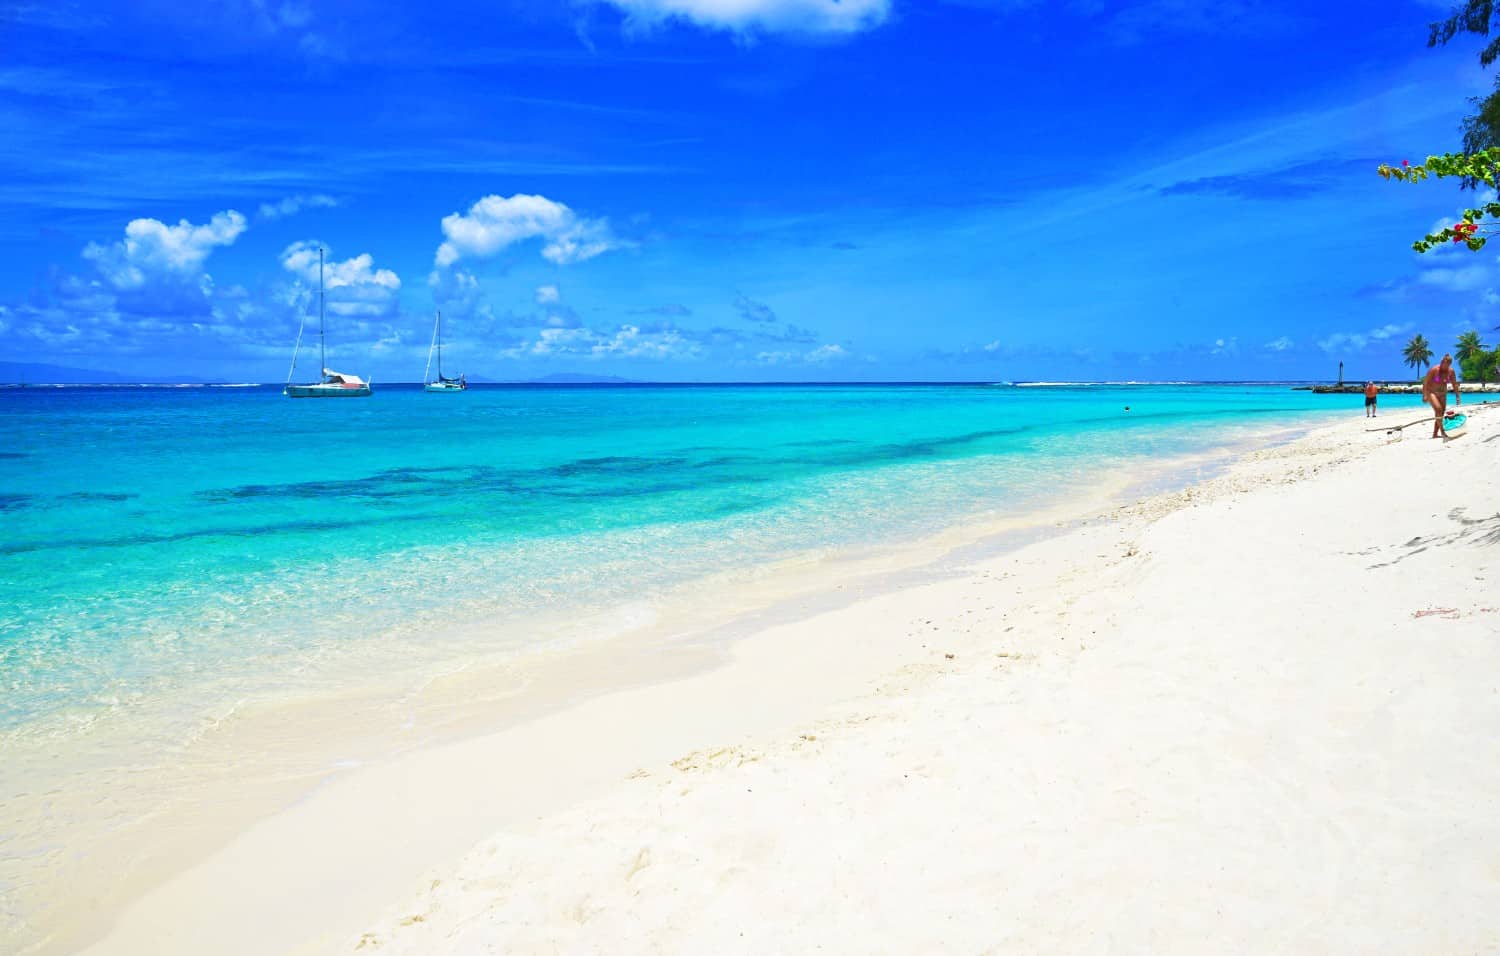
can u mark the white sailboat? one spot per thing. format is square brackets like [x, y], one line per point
[442, 383]
[333, 384]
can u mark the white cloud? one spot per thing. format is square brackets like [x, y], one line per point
[1357, 341]
[153, 249]
[629, 340]
[495, 222]
[1279, 345]
[626, 341]
[292, 205]
[1229, 346]
[354, 287]
[770, 16]
[1462, 279]
[456, 289]
[548, 295]
[823, 353]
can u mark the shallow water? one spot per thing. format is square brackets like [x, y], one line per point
[211, 599]
[158, 540]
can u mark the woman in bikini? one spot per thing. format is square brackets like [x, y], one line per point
[1435, 392]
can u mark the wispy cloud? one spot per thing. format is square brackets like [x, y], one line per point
[752, 311]
[291, 205]
[672, 310]
[758, 16]
[1466, 278]
[624, 341]
[1340, 342]
[54, 15]
[1300, 181]
[1146, 20]
[816, 356]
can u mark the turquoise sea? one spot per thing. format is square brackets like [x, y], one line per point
[216, 542]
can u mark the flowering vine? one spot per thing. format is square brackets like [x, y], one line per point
[1472, 230]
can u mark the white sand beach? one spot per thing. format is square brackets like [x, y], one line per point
[1259, 713]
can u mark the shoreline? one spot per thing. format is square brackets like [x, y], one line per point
[570, 680]
[648, 656]
[1142, 734]
[369, 727]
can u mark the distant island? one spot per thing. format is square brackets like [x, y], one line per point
[578, 378]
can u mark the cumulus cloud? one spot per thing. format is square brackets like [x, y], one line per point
[152, 249]
[625, 341]
[354, 287]
[548, 295]
[495, 222]
[765, 16]
[457, 292]
[292, 205]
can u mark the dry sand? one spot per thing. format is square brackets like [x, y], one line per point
[1263, 712]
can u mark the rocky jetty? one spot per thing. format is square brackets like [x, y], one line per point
[1396, 388]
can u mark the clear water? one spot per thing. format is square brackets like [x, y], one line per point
[224, 541]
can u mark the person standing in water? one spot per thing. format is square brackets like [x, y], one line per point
[1435, 392]
[1370, 393]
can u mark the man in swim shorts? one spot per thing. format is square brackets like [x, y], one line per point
[1435, 392]
[1370, 394]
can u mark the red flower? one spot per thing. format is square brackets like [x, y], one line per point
[1405, 163]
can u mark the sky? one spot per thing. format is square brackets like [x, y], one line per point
[732, 190]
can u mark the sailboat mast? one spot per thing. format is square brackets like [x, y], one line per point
[322, 348]
[440, 345]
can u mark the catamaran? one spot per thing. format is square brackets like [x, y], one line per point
[334, 384]
[442, 383]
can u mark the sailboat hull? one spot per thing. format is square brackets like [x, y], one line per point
[444, 388]
[333, 390]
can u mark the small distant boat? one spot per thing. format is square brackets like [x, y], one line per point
[333, 384]
[442, 383]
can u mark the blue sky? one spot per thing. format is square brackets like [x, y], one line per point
[708, 190]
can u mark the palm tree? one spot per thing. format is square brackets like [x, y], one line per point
[1417, 353]
[1470, 353]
